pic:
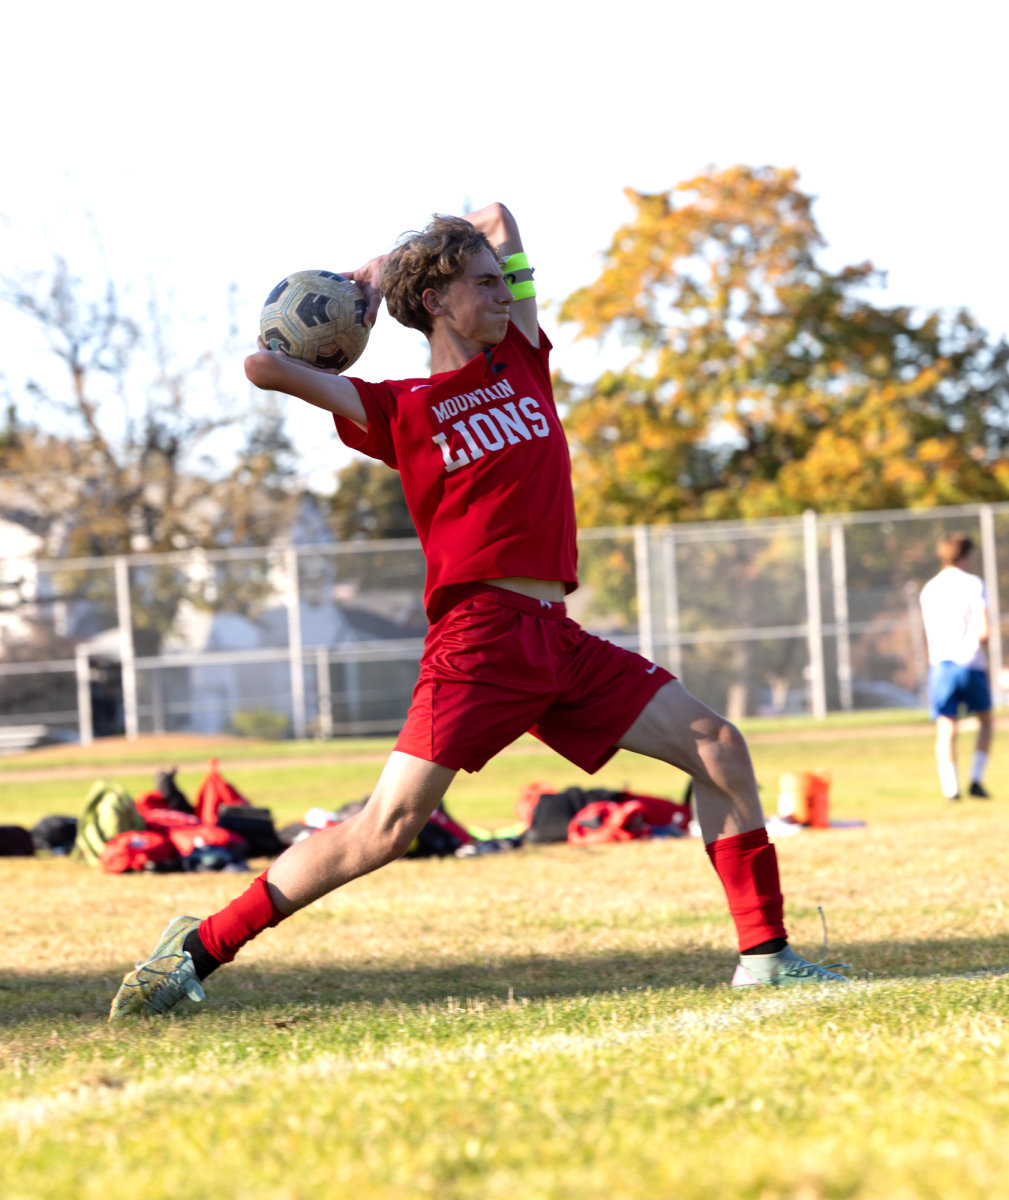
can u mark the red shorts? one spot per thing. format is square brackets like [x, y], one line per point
[499, 664]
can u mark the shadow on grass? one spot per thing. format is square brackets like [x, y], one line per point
[28, 995]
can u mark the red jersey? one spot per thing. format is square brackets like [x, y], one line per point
[484, 463]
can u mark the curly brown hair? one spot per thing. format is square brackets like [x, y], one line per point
[432, 258]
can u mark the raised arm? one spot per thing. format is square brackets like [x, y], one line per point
[274, 371]
[502, 231]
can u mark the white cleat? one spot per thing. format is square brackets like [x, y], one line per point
[784, 969]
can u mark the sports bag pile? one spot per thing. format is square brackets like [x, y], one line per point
[161, 832]
[598, 815]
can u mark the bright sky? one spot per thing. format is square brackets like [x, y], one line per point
[210, 143]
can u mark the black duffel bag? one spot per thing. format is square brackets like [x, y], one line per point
[16, 842]
[55, 833]
[255, 825]
[555, 810]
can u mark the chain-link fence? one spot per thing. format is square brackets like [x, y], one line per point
[790, 615]
[785, 615]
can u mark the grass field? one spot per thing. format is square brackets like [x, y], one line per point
[552, 1023]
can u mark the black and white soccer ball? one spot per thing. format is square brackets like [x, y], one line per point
[317, 316]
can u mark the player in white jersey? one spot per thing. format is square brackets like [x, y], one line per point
[955, 612]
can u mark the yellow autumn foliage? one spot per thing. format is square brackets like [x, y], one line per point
[765, 383]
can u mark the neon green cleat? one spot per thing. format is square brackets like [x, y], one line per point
[162, 981]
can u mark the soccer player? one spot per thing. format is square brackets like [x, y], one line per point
[956, 627]
[486, 473]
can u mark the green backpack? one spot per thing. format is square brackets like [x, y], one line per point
[108, 811]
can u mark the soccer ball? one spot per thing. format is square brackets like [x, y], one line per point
[317, 316]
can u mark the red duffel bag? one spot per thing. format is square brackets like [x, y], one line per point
[151, 807]
[188, 838]
[662, 812]
[137, 850]
[215, 792]
[606, 821]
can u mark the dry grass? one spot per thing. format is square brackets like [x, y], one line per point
[543, 1024]
[921, 888]
[909, 899]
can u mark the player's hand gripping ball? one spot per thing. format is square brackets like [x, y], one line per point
[317, 316]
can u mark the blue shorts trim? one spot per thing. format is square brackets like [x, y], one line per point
[950, 685]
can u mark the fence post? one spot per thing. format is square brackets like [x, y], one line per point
[839, 576]
[643, 584]
[990, 566]
[352, 692]
[671, 596]
[916, 629]
[325, 693]
[157, 701]
[85, 724]
[294, 646]
[814, 616]
[127, 664]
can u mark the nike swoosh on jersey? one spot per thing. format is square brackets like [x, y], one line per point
[651, 669]
[418, 386]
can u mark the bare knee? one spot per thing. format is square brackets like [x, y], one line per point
[401, 842]
[385, 845]
[395, 833]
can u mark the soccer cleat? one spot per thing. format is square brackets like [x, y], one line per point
[979, 791]
[784, 969]
[162, 981]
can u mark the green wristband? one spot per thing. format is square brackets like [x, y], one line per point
[519, 276]
[516, 262]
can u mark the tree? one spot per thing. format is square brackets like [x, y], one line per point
[369, 503]
[10, 436]
[765, 383]
[115, 476]
[125, 473]
[257, 501]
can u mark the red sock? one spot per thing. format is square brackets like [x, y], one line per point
[227, 931]
[747, 865]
